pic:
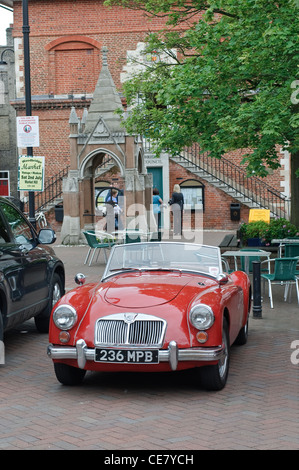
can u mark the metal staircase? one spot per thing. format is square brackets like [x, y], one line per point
[233, 180]
[52, 193]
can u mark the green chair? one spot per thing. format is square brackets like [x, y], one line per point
[253, 258]
[291, 250]
[284, 273]
[97, 241]
[132, 237]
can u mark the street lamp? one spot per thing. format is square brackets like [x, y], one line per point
[26, 30]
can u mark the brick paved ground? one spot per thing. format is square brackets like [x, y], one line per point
[258, 409]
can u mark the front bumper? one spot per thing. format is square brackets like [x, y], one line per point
[173, 355]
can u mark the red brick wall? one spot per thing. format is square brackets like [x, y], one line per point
[119, 29]
[216, 214]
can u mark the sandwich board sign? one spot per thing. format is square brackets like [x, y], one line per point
[31, 173]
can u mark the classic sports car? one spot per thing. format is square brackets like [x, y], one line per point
[160, 306]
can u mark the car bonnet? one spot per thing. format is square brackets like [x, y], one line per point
[144, 290]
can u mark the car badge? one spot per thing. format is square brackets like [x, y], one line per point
[130, 317]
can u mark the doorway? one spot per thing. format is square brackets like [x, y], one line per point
[157, 179]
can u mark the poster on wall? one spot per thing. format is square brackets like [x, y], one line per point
[31, 173]
[27, 131]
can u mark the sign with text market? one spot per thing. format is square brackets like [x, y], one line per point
[28, 131]
[31, 173]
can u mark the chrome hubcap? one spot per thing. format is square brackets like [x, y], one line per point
[56, 294]
[222, 364]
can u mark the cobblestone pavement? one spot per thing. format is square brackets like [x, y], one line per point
[258, 409]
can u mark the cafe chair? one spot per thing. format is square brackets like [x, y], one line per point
[132, 236]
[97, 241]
[225, 266]
[291, 250]
[284, 273]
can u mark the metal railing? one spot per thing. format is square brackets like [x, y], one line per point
[233, 179]
[52, 191]
[250, 188]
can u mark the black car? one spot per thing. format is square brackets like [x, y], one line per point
[32, 278]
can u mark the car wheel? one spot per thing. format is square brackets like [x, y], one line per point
[215, 377]
[42, 320]
[242, 336]
[1, 327]
[68, 375]
[243, 333]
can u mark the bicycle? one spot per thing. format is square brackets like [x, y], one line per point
[40, 219]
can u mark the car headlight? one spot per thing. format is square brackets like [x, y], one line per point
[202, 317]
[65, 317]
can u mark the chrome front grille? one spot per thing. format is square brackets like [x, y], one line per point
[130, 329]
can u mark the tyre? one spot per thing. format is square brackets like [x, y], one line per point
[243, 333]
[215, 377]
[1, 326]
[68, 375]
[242, 336]
[42, 320]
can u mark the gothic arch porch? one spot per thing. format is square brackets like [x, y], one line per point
[98, 136]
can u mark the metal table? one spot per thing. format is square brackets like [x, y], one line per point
[247, 255]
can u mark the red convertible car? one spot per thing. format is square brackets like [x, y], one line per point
[160, 306]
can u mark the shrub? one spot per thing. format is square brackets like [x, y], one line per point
[253, 230]
[277, 228]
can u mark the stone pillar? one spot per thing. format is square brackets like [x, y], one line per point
[70, 230]
[135, 200]
[74, 125]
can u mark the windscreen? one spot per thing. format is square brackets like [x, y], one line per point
[165, 255]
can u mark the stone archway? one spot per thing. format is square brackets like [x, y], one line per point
[87, 174]
[97, 134]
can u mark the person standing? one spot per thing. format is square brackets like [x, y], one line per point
[177, 206]
[112, 200]
[157, 204]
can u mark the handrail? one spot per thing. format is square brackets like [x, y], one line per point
[52, 190]
[250, 187]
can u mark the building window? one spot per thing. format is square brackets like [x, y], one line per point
[73, 65]
[193, 192]
[4, 183]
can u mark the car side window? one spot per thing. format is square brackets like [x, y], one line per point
[4, 235]
[21, 230]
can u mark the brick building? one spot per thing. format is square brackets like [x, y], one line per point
[8, 150]
[66, 39]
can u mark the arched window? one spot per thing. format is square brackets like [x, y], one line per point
[73, 65]
[193, 192]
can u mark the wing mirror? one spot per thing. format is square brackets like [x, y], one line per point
[222, 279]
[46, 236]
[80, 279]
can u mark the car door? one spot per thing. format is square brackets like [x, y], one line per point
[11, 274]
[34, 260]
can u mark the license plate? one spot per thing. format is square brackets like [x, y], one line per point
[131, 356]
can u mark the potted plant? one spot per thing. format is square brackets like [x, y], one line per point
[252, 233]
[277, 229]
